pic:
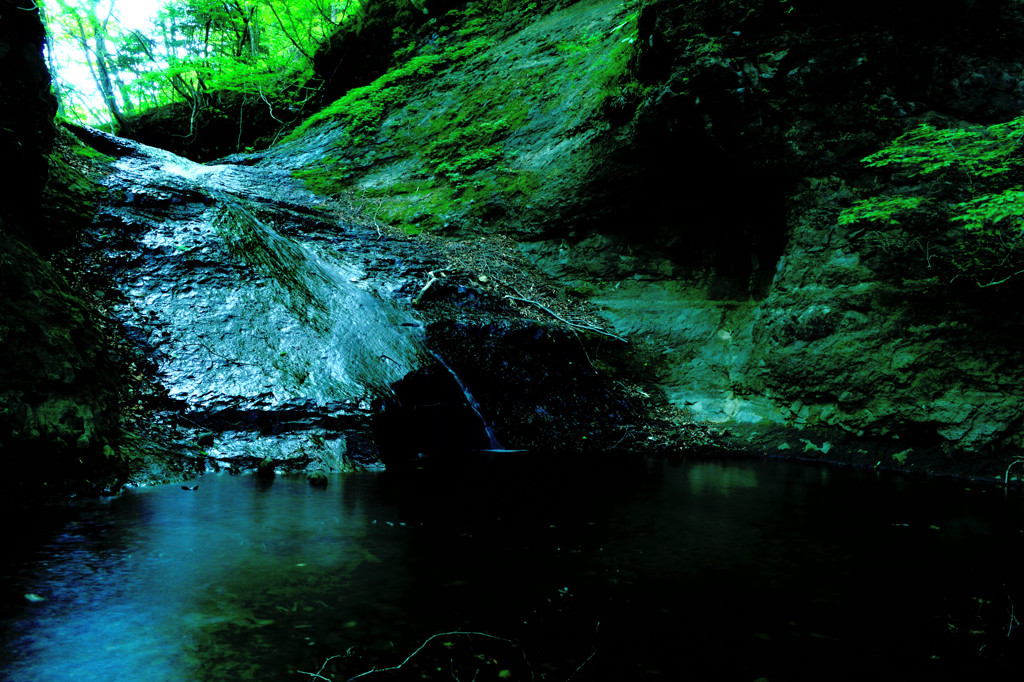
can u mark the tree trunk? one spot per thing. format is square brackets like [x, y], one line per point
[96, 58]
[51, 63]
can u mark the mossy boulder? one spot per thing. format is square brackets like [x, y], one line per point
[267, 468]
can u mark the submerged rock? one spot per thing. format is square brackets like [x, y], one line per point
[267, 468]
[317, 479]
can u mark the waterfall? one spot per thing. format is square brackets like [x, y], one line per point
[492, 440]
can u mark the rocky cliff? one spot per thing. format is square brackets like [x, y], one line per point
[858, 340]
[59, 385]
[682, 165]
[677, 167]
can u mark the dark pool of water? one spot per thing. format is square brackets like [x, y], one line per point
[636, 571]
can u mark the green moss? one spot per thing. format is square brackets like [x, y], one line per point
[458, 151]
[72, 192]
[470, 138]
[616, 70]
[403, 187]
[456, 144]
[421, 208]
[60, 385]
[87, 152]
[583, 43]
[523, 183]
[328, 177]
[362, 109]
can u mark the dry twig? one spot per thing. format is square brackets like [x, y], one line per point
[317, 675]
[576, 325]
[430, 282]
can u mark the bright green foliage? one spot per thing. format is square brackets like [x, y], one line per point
[969, 178]
[976, 152]
[191, 48]
[1003, 208]
[881, 210]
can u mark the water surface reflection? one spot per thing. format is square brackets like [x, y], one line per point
[639, 570]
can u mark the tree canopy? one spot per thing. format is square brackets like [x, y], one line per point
[106, 69]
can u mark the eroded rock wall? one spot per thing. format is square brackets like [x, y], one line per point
[58, 385]
[775, 321]
[683, 165]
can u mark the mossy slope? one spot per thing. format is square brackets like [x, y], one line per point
[490, 123]
[691, 184]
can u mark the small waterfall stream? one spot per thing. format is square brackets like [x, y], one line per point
[263, 316]
[492, 439]
[272, 323]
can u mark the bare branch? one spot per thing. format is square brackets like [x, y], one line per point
[576, 325]
[317, 675]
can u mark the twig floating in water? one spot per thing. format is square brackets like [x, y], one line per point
[421, 647]
[580, 666]
[317, 675]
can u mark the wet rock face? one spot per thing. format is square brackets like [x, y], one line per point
[284, 338]
[697, 205]
[690, 185]
[524, 385]
[539, 384]
[269, 340]
[710, 229]
[428, 415]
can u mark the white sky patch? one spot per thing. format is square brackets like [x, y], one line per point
[130, 14]
[137, 14]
